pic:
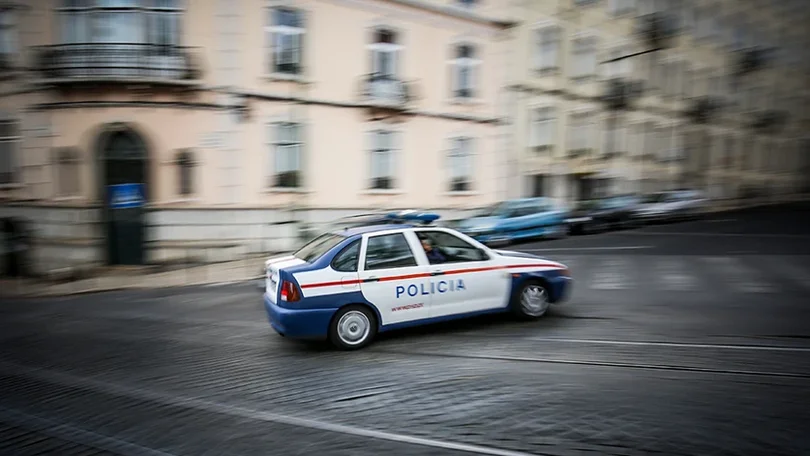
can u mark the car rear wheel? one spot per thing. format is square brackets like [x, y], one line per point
[352, 328]
[532, 300]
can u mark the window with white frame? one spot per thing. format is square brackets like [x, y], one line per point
[285, 155]
[584, 2]
[9, 144]
[385, 50]
[285, 33]
[67, 172]
[615, 143]
[617, 68]
[583, 57]
[465, 68]
[547, 52]
[542, 128]
[580, 134]
[383, 151]
[8, 36]
[460, 164]
[621, 7]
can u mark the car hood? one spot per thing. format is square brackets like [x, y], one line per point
[513, 254]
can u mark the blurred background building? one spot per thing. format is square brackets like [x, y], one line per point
[241, 122]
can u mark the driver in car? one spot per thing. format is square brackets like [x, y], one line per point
[433, 255]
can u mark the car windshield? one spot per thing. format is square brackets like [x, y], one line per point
[315, 248]
[587, 204]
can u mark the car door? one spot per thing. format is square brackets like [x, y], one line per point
[392, 279]
[465, 278]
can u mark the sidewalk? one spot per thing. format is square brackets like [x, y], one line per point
[123, 278]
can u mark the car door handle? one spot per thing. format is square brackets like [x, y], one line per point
[371, 279]
[437, 273]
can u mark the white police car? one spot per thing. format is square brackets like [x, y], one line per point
[350, 284]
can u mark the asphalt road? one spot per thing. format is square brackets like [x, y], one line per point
[681, 339]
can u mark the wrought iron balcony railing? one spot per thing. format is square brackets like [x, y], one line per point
[385, 91]
[118, 61]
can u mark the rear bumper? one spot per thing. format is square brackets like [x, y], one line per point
[299, 323]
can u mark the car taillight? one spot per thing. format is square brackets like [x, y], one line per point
[289, 292]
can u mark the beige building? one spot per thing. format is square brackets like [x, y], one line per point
[240, 123]
[567, 145]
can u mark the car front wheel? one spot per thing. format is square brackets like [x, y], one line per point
[352, 328]
[532, 300]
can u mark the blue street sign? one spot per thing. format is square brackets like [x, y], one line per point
[125, 196]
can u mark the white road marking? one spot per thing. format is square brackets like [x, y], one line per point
[672, 273]
[674, 344]
[743, 235]
[62, 378]
[610, 275]
[570, 249]
[740, 277]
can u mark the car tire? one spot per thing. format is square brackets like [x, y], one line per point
[532, 300]
[353, 327]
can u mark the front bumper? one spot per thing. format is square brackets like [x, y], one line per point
[561, 288]
[299, 323]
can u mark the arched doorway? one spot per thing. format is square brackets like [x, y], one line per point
[124, 178]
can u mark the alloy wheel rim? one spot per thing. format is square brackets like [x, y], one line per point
[353, 327]
[534, 300]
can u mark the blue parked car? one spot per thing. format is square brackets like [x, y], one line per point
[515, 220]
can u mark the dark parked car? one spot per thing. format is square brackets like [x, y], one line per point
[596, 215]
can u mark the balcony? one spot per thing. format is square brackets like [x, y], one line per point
[118, 62]
[386, 92]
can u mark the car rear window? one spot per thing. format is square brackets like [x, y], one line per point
[317, 247]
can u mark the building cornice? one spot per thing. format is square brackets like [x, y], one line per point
[448, 10]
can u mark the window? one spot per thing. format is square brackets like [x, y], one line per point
[467, 3]
[9, 141]
[449, 248]
[548, 46]
[348, 259]
[621, 7]
[460, 164]
[67, 172]
[185, 173]
[388, 251]
[614, 137]
[286, 155]
[384, 54]
[617, 68]
[8, 37]
[382, 159]
[121, 22]
[583, 50]
[584, 2]
[317, 247]
[285, 35]
[543, 125]
[465, 68]
[580, 134]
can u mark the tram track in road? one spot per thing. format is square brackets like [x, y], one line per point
[599, 363]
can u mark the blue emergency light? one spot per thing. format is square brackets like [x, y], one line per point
[425, 218]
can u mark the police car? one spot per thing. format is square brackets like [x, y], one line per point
[348, 285]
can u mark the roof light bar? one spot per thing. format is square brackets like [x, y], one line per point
[411, 215]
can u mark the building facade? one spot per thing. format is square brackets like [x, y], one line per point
[569, 146]
[143, 131]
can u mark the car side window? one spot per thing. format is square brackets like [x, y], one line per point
[388, 251]
[348, 259]
[449, 248]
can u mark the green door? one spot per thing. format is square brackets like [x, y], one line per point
[125, 194]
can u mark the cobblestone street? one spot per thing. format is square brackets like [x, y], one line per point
[713, 369]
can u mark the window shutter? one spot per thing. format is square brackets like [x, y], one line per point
[452, 78]
[369, 151]
[534, 133]
[475, 70]
[398, 144]
[469, 162]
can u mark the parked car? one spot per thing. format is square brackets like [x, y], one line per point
[596, 215]
[671, 206]
[515, 220]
